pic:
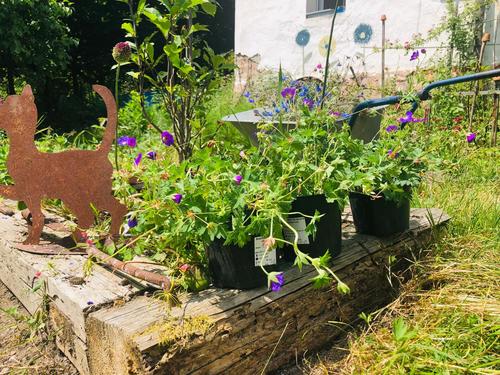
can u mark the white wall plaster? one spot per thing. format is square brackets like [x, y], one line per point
[269, 27]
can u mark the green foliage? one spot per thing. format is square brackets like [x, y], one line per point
[35, 40]
[174, 60]
[392, 166]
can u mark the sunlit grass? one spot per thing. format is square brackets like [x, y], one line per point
[447, 319]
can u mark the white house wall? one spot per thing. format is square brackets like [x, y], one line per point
[267, 30]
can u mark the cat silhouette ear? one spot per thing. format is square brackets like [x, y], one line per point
[27, 92]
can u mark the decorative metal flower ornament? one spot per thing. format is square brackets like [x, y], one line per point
[323, 45]
[303, 37]
[363, 34]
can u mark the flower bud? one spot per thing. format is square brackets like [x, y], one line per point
[122, 52]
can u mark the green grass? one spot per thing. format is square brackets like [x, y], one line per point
[447, 319]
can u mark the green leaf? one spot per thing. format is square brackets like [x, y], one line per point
[134, 75]
[209, 8]
[343, 288]
[321, 279]
[140, 6]
[173, 54]
[155, 17]
[127, 26]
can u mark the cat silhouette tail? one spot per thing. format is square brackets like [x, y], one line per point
[109, 134]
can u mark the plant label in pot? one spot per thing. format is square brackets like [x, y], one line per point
[328, 234]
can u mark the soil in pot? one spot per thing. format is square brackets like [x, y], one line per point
[237, 267]
[328, 229]
[379, 217]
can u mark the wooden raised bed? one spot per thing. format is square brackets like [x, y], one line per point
[106, 324]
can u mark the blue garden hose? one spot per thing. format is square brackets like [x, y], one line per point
[422, 95]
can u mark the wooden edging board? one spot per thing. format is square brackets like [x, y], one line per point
[106, 324]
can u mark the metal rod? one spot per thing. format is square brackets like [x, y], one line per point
[383, 18]
[494, 127]
[325, 82]
[484, 40]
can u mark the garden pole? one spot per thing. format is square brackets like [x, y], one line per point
[484, 40]
[325, 81]
[383, 18]
[494, 127]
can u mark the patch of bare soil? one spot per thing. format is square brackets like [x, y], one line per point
[22, 349]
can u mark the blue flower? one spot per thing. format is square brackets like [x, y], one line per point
[309, 103]
[127, 141]
[276, 285]
[167, 138]
[391, 128]
[138, 159]
[132, 222]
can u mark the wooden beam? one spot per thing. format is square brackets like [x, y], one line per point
[105, 325]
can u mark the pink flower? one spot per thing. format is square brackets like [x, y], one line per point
[38, 274]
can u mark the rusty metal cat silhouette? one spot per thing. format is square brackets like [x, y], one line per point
[77, 177]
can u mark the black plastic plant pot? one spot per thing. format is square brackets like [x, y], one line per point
[235, 267]
[328, 229]
[379, 217]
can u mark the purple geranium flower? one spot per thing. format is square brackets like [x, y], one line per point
[392, 154]
[288, 92]
[127, 141]
[132, 222]
[151, 155]
[177, 198]
[414, 55]
[238, 178]
[471, 137]
[276, 285]
[309, 103]
[167, 138]
[138, 159]
[409, 118]
[391, 128]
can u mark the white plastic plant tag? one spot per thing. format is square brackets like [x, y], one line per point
[260, 251]
[299, 224]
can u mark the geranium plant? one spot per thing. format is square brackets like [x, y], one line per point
[391, 166]
[234, 195]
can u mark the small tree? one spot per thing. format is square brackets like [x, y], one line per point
[178, 65]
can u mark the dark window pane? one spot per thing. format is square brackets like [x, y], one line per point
[330, 4]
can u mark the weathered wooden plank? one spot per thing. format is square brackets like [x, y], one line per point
[247, 324]
[69, 294]
[106, 327]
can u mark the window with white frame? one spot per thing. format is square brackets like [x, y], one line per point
[314, 6]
